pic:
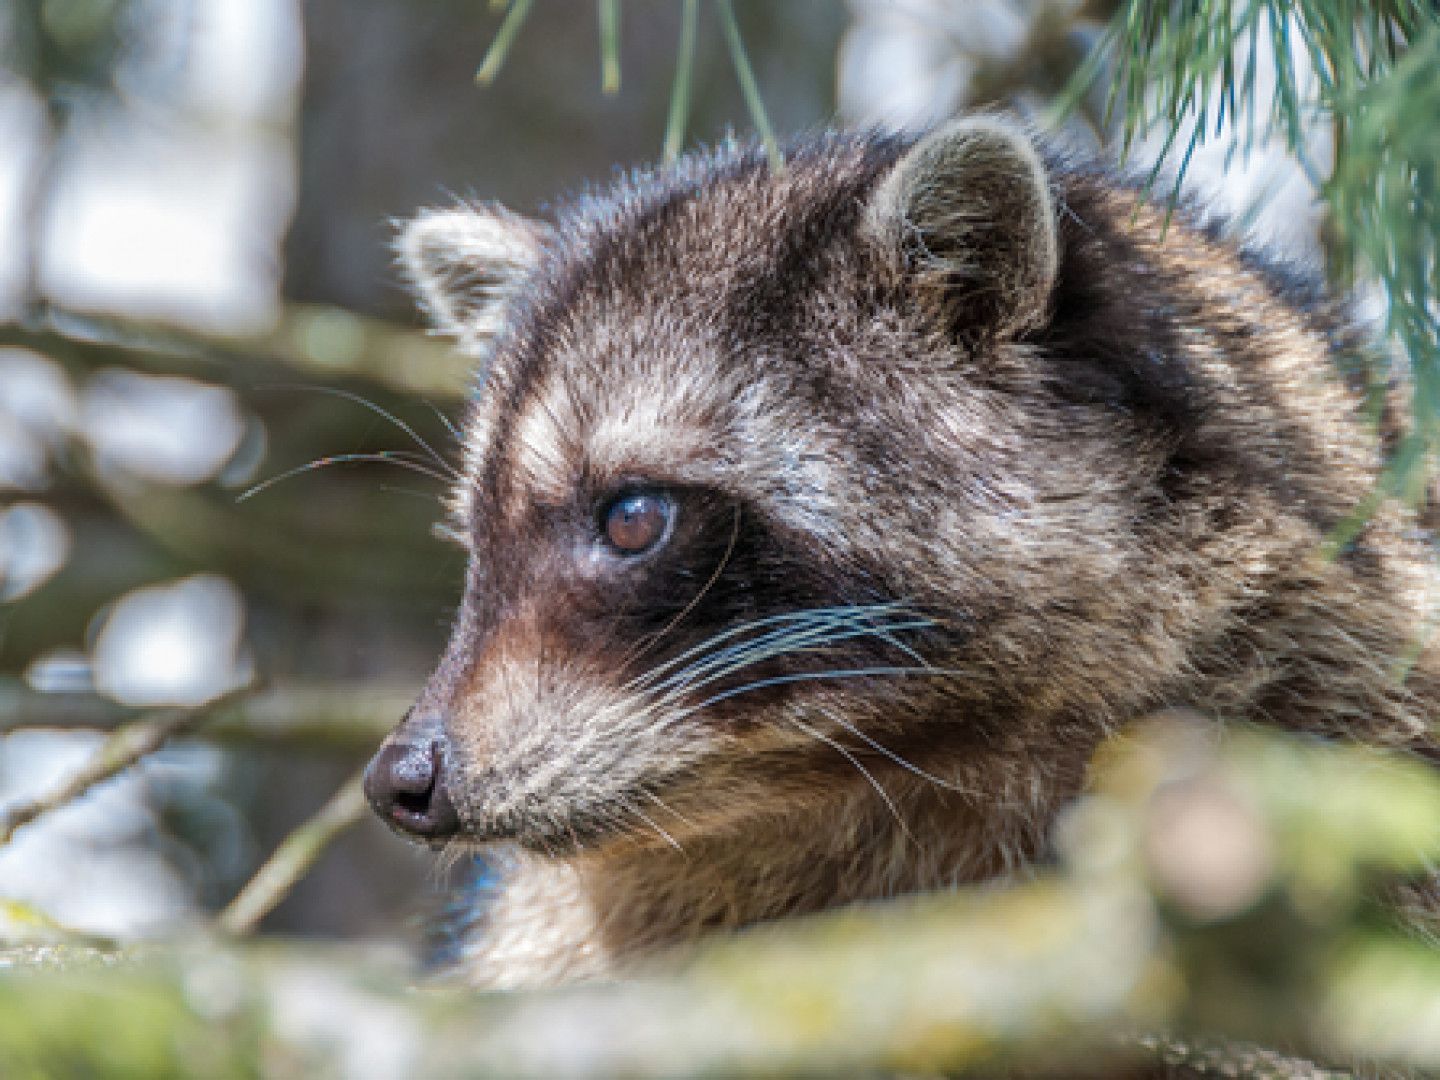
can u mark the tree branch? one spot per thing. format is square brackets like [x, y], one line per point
[350, 718]
[293, 859]
[125, 746]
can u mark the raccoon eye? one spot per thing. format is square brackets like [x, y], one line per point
[637, 522]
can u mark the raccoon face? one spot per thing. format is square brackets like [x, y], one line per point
[735, 496]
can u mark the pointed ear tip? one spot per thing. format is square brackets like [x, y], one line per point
[411, 237]
[979, 194]
[984, 157]
[999, 135]
[430, 226]
[485, 231]
[463, 261]
[990, 123]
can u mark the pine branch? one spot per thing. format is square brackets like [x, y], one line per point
[504, 38]
[1374, 74]
[609, 34]
[749, 88]
[609, 12]
[678, 114]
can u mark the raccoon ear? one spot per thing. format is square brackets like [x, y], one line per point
[466, 262]
[970, 208]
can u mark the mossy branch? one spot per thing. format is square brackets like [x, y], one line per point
[1153, 942]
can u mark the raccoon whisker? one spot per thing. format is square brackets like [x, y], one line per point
[810, 640]
[704, 650]
[814, 676]
[804, 639]
[737, 659]
[633, 809]
[841, 749]
[885, 635]
[771, 643]
[906, 764]
[400, 458]
[648, 643]
[821, 639]
[450, 855]
[813, 614]
[668, 808]
[449, 425]
[434, 455]
[812, 626]
[708, 675]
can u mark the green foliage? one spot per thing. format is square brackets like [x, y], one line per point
[1385, 198]
[74, 1017]
[609, 45]
[1193, 66]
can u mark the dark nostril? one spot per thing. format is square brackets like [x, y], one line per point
[403, 784]
[413, 770]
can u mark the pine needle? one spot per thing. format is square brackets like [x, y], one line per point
[749, 89]
[679, 114]
[504, 38]
[609, 11]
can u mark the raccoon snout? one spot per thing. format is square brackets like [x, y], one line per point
[405, 785]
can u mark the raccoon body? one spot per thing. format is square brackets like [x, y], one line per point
[822, 521]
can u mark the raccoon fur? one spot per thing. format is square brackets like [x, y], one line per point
[823, 520]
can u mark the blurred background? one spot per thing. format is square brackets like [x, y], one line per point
[222, 427]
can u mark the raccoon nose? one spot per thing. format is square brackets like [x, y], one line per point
[404, 783]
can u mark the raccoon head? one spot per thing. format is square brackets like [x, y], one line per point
[754, 494]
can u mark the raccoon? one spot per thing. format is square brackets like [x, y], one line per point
[822, 520]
